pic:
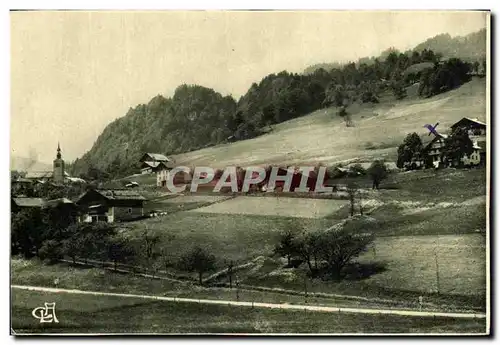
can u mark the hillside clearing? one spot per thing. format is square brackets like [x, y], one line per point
[323, 137]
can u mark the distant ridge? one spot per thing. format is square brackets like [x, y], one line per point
[28, 164]
[471, 47]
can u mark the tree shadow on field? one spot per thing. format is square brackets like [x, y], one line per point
[360, 271]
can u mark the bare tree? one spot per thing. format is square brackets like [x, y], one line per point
[230, 267]
[352, 192]
[286, 246]
[149, 243]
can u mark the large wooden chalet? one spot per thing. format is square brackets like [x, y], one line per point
[111, 205]
[156, 163]
[477, 133]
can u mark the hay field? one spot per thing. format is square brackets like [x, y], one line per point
[279, 206]
[323, 137]
[405, 269]
[411, 263]
[106, 314]
[181, 199]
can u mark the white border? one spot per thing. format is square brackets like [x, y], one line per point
[155, 5]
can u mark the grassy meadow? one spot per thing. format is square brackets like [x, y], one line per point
[421, 217]
[109, 314]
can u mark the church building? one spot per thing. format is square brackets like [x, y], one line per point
[58, 169]
[57, 175]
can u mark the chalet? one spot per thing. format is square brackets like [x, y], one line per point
[474, 127]
[477, 133]
[434, 150]
[156, 163]
[111, 205]
[153, 162]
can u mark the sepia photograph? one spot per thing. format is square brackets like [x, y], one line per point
[250, 172]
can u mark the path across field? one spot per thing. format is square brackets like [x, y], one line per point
[262, 305]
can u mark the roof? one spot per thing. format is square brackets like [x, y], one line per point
[469, 120]
[56, 202]
[154, 164]
[156, 157]
[39, 174]
[120, 194]
[23, 180]
[28, 202]
[429, 139]
[76, 179]
[42, 174]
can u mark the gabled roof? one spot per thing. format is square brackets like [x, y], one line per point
[39, 174]
[28, 202]
[426, 142]
[75, 179]
[57, 202]
[23, 180]
[42, 174]
[154, 157]
[154, 164]
[120, 194]
[465, 120]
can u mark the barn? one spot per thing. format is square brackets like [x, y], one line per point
[111, 205]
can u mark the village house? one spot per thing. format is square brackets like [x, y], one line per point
[477, 134]
[474, 127]
[156, 163]
[111, 205]
[434, 149]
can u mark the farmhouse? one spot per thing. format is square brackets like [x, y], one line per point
[434, 149]
[477, 134]
[111, 205]
[474, 127]
[150, 162]
[156, 163]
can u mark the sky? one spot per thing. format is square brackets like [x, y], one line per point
[72, 73]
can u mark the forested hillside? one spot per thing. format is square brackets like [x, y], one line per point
[197, 117]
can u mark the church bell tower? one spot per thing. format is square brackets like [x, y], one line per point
[58, 167]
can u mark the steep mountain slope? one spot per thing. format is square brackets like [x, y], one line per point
[197, 117]
[193, 118]
[323, 137]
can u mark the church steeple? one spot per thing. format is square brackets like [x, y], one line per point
[58, 174]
